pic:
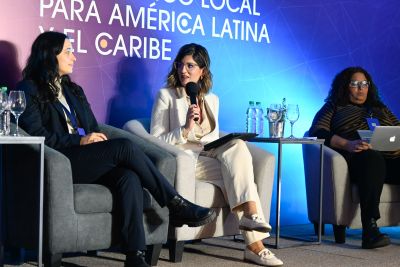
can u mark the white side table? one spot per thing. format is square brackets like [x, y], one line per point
[302, 141]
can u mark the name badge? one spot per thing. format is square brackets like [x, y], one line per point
[81, 131]
[372, 123]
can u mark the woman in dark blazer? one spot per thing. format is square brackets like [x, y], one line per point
[57, 109]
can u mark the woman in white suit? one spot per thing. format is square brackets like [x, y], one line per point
[190, 126]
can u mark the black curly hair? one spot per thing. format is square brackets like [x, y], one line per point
[339, 92]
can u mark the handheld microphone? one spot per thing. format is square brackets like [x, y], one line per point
[192, 89]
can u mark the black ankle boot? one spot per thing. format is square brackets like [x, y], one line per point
[183, 212]
[135, 259]
[372, 237]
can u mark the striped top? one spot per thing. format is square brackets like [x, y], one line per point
[344, 121]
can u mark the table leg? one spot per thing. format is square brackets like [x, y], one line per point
[321, 188]
[278, 197]
[41, 177]
[2, 221]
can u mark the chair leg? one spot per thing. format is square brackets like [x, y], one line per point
[52, 260]
[339, 232]
[175, 250]
[316, 229]
[153, 253]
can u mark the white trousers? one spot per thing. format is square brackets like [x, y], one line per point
[233, 173]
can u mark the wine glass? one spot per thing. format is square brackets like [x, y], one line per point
[292, 114]
[17, 105]
[274, 114]
[3, 106]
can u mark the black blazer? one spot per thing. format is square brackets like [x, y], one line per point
[48, 119]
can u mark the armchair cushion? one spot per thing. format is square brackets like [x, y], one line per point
[209, 195]
[92, 198]
[390, 194]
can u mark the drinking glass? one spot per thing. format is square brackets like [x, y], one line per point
[292, 115]
[17, 105]
[3, 106]
[274, 114]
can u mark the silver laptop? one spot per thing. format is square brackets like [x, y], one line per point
[383, 138]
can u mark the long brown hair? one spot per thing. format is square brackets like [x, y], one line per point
[200, 56]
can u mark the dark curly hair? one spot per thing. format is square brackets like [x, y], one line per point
[200, 56]
[339, 92]
[42, 65]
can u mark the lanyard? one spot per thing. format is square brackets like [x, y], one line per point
[72, 116]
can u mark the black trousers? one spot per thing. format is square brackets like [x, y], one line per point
[123, 167]
[369, 170]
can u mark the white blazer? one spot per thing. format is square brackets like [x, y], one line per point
[169, 116]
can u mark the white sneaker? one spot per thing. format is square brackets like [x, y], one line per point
[264, 257]
[254, 224]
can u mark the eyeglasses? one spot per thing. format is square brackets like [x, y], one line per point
[189, 66]
[359, 84]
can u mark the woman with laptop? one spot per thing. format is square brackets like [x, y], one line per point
[353, 104]
[185, 114]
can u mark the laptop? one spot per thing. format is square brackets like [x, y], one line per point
[383, 138]
[226, 138]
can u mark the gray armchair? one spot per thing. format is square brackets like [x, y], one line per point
[77, 217]
[341, 205]
[206, 194]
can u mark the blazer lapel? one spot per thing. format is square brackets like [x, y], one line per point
[211, 107]
[182, 107]
[58, 106]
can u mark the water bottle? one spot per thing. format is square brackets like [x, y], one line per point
[259, 119]
[251, 118]
[5, 117]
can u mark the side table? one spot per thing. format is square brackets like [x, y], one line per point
[18, 140]
[302, 141]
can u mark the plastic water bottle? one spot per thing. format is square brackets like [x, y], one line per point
[251, 118]
[5, 117]
[259, 119]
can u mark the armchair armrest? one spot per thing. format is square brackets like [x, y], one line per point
[185, 164]
[337, 189]
[264, 166]
[61, 219]
[161, 158]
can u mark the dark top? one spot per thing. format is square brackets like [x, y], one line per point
[45, 118]
[344, 121]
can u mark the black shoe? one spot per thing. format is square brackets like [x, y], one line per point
[135, 259]
[183, 212]
[372, 237]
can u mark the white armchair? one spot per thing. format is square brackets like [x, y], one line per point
[341, 204]
[207, 194]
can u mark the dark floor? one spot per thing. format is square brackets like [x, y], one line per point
[218, 252]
